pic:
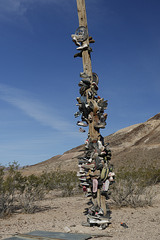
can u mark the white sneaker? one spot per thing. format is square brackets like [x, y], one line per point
[83, 46]
[74, 39]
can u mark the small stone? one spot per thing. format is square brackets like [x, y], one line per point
[67, 229]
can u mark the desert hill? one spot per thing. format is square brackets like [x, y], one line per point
[134, 146]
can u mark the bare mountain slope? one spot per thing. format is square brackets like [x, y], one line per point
[134, 146]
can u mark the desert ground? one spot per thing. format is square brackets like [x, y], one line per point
[59, 214]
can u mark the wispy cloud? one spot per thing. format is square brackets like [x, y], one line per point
[19, 7]
[34, 108]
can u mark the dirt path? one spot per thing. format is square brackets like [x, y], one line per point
[62, 214]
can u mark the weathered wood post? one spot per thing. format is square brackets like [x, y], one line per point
[87, 67]
[92, 109]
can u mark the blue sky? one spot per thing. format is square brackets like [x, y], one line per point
[39, 76]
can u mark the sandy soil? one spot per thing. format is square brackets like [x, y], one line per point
[66, 214]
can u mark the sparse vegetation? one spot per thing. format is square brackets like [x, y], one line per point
[133, 188]
[18, 192]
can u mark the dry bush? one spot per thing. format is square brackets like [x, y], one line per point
[23, 193]
[133, 188]
[61, 180]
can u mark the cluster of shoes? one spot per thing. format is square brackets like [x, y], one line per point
[79, 38]
[96, 175]
[95, 171]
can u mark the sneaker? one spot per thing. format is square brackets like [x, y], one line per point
[84, 184]
[81, 170]
[80, 123]
[82, 179]
[80, 174]
[111, 174]
[74, 39]
[83, 47]
[95, 86]
[97, 221]
[88, 166]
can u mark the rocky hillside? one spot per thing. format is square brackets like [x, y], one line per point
[134, 146]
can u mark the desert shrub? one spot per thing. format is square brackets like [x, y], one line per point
[143, 176]
[12, 182]
[17, 191]
[33, 191]
[60, 180]
[22, 192]
[133, 187]
[128, 193]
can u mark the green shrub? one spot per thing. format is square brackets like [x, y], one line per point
[21, 192]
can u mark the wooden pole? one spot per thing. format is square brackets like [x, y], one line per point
[87, 66]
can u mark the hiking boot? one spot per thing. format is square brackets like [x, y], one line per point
[95, 78]
[78, 54]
